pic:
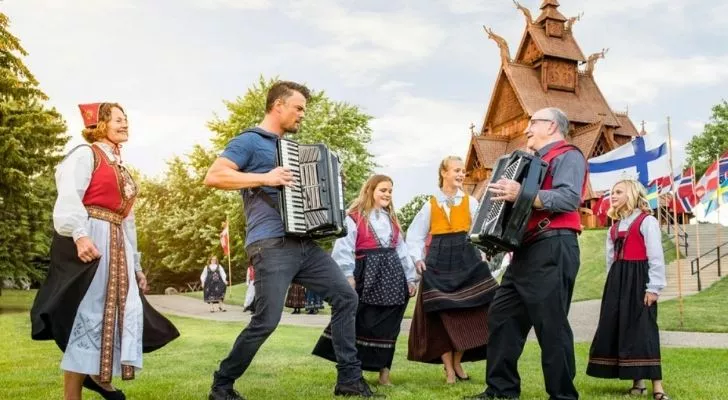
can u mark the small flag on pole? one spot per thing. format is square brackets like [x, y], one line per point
[652, 196]
[225, 239]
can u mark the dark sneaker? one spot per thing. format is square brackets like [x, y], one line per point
[357, 388]
[224, 394]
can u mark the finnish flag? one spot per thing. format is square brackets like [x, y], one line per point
[644, 158]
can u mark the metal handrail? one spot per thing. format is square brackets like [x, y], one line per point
[695, 263]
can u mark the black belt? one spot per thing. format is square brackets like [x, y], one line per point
[548, 234]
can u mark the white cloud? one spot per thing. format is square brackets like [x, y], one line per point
[601, 9]
[419, 131]
[472, 6]
[394, 85]
[361, 43]
[642, 80]
[238, 4]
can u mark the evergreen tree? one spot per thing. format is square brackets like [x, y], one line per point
[32, 137]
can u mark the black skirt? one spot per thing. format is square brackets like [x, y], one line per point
[627, 341]
[214, 291]
[379, 273]
[55, 304]
[456, 276]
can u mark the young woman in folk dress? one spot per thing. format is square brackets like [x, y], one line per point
[449, 324]
[214, 285]
[374, 258]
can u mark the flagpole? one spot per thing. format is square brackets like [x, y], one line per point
[677, 237]
[230, 254]
[697, 223]
[717, 190]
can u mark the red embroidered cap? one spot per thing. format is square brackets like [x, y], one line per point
[90, 114]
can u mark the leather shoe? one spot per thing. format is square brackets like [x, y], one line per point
[357, 388]
[224, 394]
[91, 384]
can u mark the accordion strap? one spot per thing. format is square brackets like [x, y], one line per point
[265, 197]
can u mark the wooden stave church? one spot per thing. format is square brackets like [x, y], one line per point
[545, 73]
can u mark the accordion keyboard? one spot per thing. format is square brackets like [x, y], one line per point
[497, 206]
[294, 219]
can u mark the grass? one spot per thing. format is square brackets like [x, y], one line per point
[589, 282]
[284, 368]
[592, 272]
[703, 312]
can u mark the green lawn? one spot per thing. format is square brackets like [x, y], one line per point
[592, 272]
[589, 281]
[284, 369]
[706, 311]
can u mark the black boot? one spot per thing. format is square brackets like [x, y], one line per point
[90, 384]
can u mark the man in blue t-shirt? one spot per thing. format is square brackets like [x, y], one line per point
[248, 164]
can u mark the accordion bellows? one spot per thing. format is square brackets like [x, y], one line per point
[314, 206]
[500, 225]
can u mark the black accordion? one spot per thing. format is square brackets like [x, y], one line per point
[314, 206]
[500, 225]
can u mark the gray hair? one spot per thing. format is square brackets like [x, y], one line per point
[562, 121]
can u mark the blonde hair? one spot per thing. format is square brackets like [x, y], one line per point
[98, 132]
[444, 166]
[636, 199]
[364, 203]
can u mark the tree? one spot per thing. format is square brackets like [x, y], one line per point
[179, 219]
[407, 213]
[339, 125]
[704, 148]
[31, 141]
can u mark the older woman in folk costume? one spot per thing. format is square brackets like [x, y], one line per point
[91, 303]
[214, 284]
[449, 323]
[373, 256]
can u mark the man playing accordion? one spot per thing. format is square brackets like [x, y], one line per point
[537, 286]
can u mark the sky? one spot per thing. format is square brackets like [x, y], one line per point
[424, 70]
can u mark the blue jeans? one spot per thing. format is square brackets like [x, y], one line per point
[277, 263]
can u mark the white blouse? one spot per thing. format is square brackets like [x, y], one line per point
[419, 229]
[73, 176]
[650, 231]
[345, 247]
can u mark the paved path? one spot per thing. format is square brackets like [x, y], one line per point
[583, 317]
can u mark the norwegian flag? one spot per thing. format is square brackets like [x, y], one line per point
[686, 198]
[225, 239]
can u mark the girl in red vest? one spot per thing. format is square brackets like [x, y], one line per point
[627, 342]
[374, 258]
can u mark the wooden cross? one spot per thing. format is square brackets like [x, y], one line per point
[472, 129]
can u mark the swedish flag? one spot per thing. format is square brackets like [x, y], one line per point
[652, 196]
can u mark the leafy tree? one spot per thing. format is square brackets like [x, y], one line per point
[340, 126]
[31, 140]
[179, 219]
[704, 148]
[407, 212]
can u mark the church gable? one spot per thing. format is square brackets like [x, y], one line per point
[528, 53]
[505, 105]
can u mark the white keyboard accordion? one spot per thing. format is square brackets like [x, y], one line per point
[314, 206]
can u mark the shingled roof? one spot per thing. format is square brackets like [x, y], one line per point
[583, 107]
[626, 127]
[488, 149]
[564, 47]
